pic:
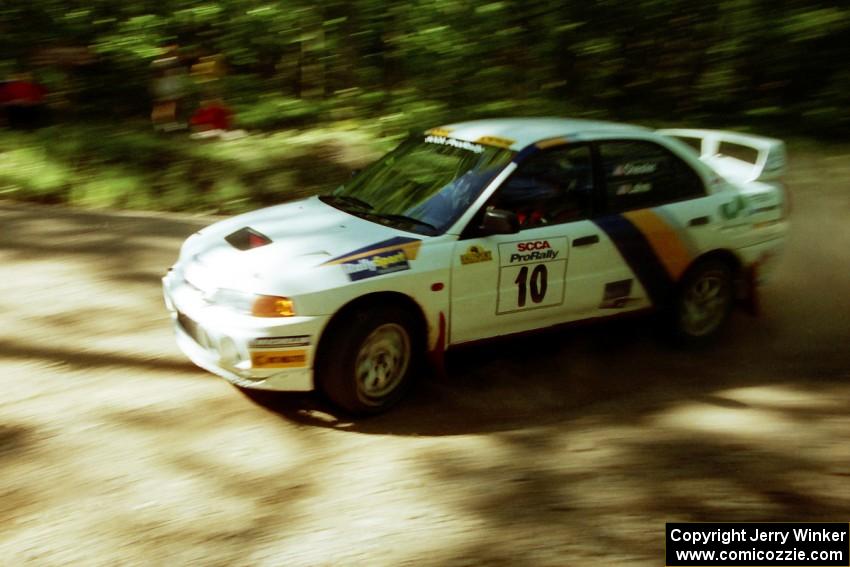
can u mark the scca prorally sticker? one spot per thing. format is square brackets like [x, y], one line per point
[540, 250]
[280, 342]
[379, 259]
[531, 274]
[475, 254]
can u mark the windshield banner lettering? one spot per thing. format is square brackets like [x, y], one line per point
[461, 144]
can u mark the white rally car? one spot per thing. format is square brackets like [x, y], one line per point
[472, 231]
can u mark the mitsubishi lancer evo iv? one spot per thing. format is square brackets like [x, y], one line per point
[476, 230]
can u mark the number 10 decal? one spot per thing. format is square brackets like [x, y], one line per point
[531, 274]
[539, 283]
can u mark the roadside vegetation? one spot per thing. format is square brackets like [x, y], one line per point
[321, 88]
[96, 166]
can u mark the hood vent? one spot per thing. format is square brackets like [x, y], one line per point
[247, 239]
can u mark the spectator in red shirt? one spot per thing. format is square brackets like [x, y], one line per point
[212, 118]
[23, 101]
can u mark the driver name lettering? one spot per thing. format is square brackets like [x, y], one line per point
[461, 144]
[639, 168]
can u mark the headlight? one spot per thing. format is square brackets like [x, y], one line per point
[254, 304]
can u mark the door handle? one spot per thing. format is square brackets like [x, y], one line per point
[586, 240]
[699, 221]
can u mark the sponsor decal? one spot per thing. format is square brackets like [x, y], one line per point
[379, 259]
[279, 359]
[475, 254]
[376, 265]
[616, 294]
[280, 342]
[734, 208]
[460, 144]
[534, 251]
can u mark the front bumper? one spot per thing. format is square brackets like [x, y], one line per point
[251, 352]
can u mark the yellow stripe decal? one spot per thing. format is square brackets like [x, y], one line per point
[438, 132]
[543, 144]
[664, 239]
[411, 250]
[495, 141]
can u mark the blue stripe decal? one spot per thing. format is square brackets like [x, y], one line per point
[525, 152]
[640, 257]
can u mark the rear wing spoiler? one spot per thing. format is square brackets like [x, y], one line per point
[739, 157]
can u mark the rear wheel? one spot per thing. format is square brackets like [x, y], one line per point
[704, 301]
[369, 358]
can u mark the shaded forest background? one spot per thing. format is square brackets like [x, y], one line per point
[382, 68]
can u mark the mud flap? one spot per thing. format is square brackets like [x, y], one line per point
[748, 298]
[437, 355]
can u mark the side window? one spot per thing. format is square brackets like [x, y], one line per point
[643, 174]
[550, 187]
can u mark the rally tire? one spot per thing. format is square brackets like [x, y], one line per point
[369, 358]
[704, 300]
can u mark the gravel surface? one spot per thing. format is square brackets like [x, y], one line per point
[564, 448]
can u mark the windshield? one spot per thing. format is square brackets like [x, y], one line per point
[422, 186]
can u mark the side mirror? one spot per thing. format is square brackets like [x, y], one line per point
[498, 221]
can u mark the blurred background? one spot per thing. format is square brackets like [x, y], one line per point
[568, 448]
[221, 105]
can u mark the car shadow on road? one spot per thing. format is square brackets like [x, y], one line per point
[623, 368]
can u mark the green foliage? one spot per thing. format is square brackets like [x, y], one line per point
[275, 112]
[88, 166]
[376, 70]
[295, 63]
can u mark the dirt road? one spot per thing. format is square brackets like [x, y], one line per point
[567, 448]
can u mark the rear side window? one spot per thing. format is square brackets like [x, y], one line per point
[642, 174]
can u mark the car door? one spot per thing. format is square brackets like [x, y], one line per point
[507, 283]
[656, 213]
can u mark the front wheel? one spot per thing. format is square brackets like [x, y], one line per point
[703, 303]
[369, 359]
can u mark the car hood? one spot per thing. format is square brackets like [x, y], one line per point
[303, 235]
